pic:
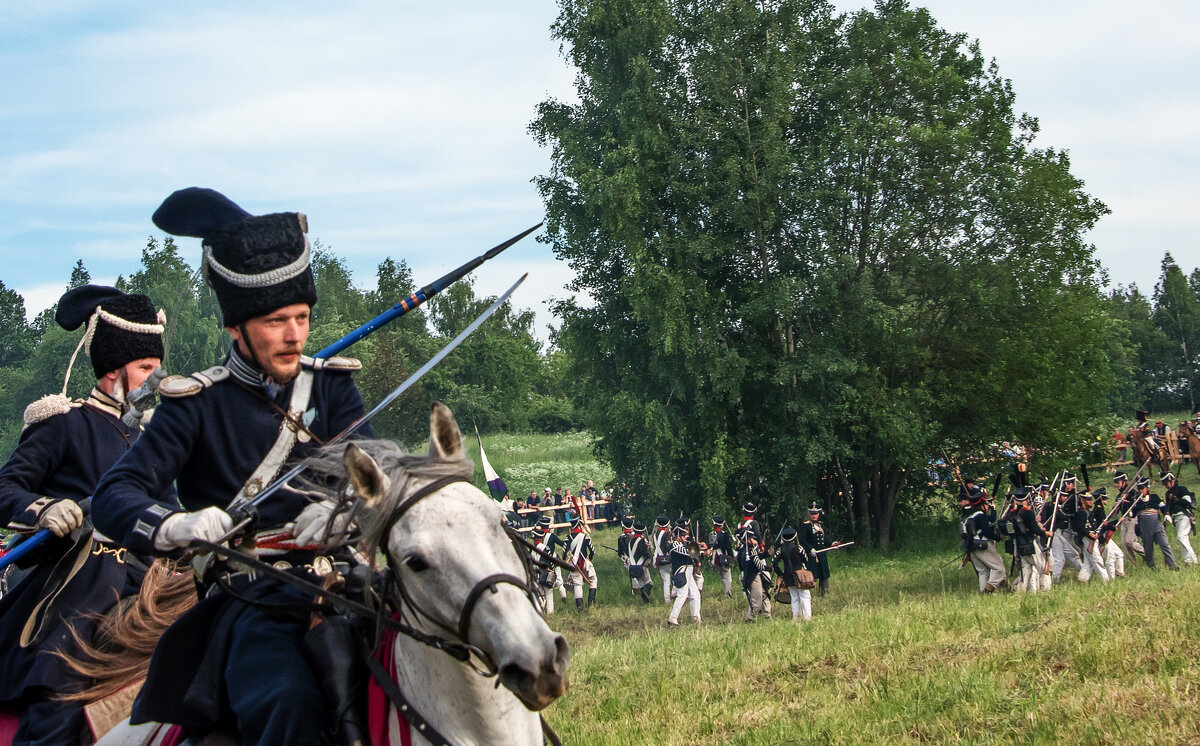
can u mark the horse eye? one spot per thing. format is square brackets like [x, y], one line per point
[416, 563]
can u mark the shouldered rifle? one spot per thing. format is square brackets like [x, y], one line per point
[243, 510]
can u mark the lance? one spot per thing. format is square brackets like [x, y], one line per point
[143, 397]
[243, 509]
[19, 547]
[419, 297]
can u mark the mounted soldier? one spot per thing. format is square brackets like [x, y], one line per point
[239, 658]
[64, 449]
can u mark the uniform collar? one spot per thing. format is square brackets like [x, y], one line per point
[106, 403]
[249, 373]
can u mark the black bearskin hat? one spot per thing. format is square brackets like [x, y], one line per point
[121, 328]
[255, 263]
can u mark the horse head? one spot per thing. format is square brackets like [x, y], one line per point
[452, 559]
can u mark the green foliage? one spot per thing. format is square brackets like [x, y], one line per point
[498, 378]
[823, 247]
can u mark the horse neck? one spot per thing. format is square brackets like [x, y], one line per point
[464, 706]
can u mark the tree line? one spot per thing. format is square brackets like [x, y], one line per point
[827, 250]
[500, 378]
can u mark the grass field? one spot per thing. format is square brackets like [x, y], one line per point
[902, 650]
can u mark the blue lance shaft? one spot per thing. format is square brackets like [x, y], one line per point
[20, 547]
[419, 297]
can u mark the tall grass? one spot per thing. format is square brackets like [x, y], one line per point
[530, 463]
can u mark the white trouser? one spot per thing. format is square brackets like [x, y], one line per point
[1062, 552]
[1114, 559]
[989, 566]
[1092, 562]
[576, 579]
[1031, 571]
[664, 574]
[1183, 532]
[689, 594]
[801, 603]
[547, 597]
[726, 575]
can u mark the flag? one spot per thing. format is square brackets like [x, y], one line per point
[495, 484]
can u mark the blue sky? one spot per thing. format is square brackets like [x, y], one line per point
[401, 128]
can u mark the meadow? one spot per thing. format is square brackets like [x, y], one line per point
[902, 650]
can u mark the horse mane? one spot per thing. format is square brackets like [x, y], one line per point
[118, 654]
[327, 468]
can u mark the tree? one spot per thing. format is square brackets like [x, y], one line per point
[825, 249]
[16, 336]
[1177, 316]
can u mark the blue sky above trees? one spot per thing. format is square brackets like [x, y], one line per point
[400, 128]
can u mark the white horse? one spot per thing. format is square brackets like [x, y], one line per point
[449, 551]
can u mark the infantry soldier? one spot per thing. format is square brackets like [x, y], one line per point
[1148, 509]
[222, 434]
[756, 578]
[63, 451]
[1180, 505]
[1085, 524]
[624, 540]
[662, 555]
[639, 562]
[722, 553]
[683, 567]
[1044, 511]
[813, 539]
[1021, 525]
[1114, 557]
[749, 519]
[979, 540]
[1063, 549]
[550, 578]
[1127, 524]
[788, 561]
[579, 553]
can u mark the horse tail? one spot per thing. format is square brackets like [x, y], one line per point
[119, 652]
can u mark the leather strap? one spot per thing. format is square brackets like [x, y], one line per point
[284, 442]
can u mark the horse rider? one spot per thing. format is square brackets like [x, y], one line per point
[756, 574]
[1181, 506]
[238, 658]
[791, 558]
[579, 553]
[684, 565]
[721, 546]
[813, 539]
[1127, 525]
[979, 539]
[550, 578]
[1148, 508]
[1153, 440]
[662, 555]
[639, 562]
[1063, 549]
[1021, 525]
[64, 449]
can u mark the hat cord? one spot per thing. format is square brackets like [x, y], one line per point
[261, 280]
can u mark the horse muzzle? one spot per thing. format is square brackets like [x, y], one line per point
[547, 682]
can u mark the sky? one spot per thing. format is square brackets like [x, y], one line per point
[401, 129]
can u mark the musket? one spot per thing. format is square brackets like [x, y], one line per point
[420, 296]
[243, 509]
[21, 546]
[830, 549]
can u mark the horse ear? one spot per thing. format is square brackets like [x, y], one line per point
[445, 440]
[370, 483]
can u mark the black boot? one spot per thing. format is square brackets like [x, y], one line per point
[331, 649]
[579, 604]
[645, 594]
[824, 585]
[591, 597]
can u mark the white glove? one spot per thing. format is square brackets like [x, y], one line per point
[179, 530]
[60, 516]
[314, 525]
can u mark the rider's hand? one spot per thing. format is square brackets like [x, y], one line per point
[317, 524]
[60, 516]
[178, 530]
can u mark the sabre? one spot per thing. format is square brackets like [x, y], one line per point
[242, 509]
[830, 549]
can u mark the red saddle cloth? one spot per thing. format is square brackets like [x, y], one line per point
[8, 728]
[377, 700]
